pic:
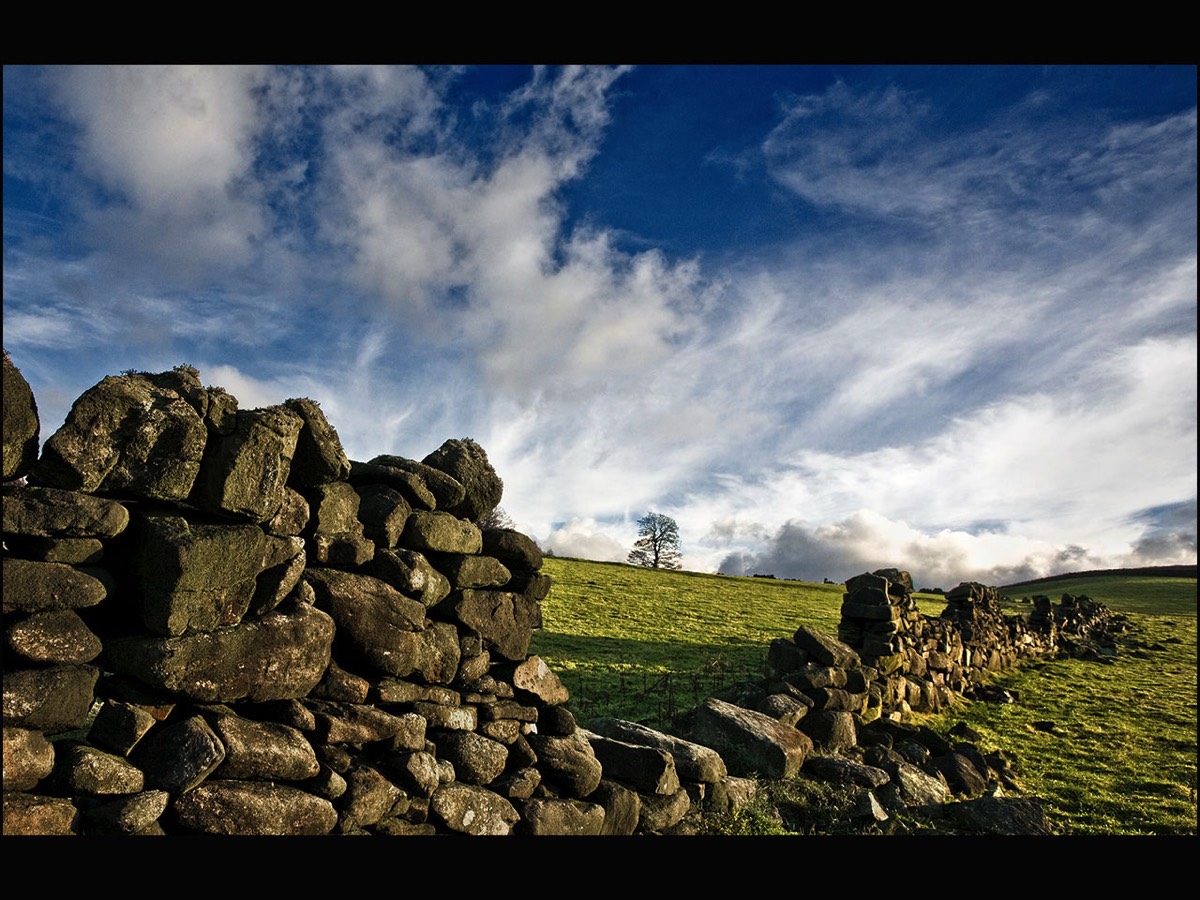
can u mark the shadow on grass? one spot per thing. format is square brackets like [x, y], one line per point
[647, 656]
[648, 682]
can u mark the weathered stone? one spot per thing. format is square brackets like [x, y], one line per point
[455, 718]
[467, 462]
[221, 416]
[119, 726]
[749, 742]
[825, 650]
[178, 757]
[30, 814]
[56, 636]
[292, 517]
[319, 457]
[333, 508]
[533, 676]
[470, 809]
[1015, 816]
[550, 816]
[283, 564]
[831, 730]
[465, 571]
[447, 491]
[265, 751]
[476, 759]
[282, 655]
[343, 550]
[441, 532]
[343, 686]
[369, 797]
[126, 435]
[438, 653]
[376, 624]
[413, 574]
[383, 512]
[731, 794]
[909, 786]
[514, 549]
[842, 770]
[503, 619]
[661, 812]
[53, 700]
[354, 723]
[80, 769]
[21, 423]
[254, 808]
[622, 807]
[72, 551]
[556, 720]
[412, 487]
[415, 772]
[961, 774]
[31, 586]
[127, 815]
[244, 473]
[28, 758]
[787, 709]
[52, 512]
[569, 762]
[192, 575]
[647, 770]
[784, 656]
[693, 762]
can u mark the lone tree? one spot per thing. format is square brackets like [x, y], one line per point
[657, 546]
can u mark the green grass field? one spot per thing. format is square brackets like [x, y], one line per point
[642, 644]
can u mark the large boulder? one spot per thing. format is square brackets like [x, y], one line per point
[693, 762]
[130, 434]
[446, 490]
[21, 424]
[51, 512]
[31, 586]
[376, 624]
[280, 656]
[470, 809]
[245, 473]
[467, 462]
[751, 743]
[319, 457]
[253, 808]
[53, 700]
[192, 575]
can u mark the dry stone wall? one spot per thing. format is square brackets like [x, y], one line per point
[216, 622]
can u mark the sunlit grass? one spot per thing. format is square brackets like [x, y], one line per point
[1111, 747]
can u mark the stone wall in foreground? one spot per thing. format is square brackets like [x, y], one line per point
[215, 622]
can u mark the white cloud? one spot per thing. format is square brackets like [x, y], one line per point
[586, 539]
[172, 146]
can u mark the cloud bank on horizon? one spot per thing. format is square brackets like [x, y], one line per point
[829, 319]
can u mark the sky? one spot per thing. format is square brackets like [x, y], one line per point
[828, 318]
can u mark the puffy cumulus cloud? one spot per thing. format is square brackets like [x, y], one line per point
[587, 539]
[474, 247]
[866, 541]
[1169, 535]
[170, 148]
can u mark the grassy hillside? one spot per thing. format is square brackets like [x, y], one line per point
[1120, 753]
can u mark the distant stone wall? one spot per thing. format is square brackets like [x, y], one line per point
[215, 622]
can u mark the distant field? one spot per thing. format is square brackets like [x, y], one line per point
[642, 644]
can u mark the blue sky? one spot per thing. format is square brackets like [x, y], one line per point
[828, 318]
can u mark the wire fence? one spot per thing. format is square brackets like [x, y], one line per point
[649, 699]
